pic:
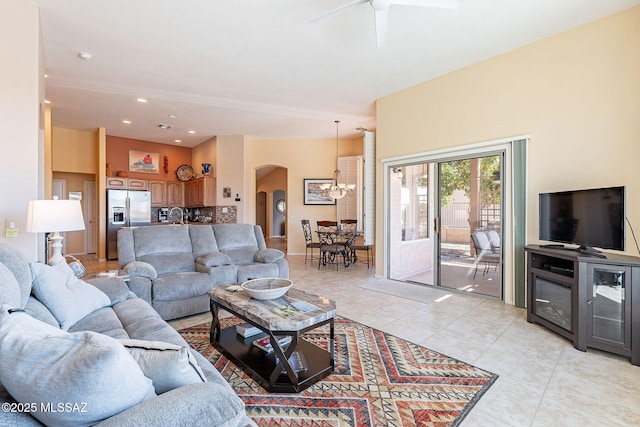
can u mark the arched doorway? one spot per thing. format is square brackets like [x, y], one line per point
[271, 204]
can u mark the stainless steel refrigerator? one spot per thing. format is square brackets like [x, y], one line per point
[125, 209]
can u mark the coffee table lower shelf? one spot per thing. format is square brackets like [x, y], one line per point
[260, 365]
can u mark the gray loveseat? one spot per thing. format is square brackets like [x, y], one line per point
[172, 267]
[67, 356]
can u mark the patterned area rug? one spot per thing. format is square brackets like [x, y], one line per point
[379, 380]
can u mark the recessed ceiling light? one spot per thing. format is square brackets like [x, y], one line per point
[173, 116]
[142, 100]
[85, 55]
[46, 101]
[177, 140]
[164, 126]
[192, 131]
[126, 122]
[46, 75]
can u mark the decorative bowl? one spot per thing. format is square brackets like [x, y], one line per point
[267, 288]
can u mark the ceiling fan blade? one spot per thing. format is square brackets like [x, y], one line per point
[382, 20]
[337, 10]
[443, 4]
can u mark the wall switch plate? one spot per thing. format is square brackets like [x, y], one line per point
[12, 229]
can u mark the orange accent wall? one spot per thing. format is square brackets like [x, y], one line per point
[118, 155]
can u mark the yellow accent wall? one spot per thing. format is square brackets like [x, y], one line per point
[74, 150]
[577, 94]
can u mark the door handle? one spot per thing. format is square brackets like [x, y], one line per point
[436, 224]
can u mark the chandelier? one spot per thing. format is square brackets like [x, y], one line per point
[337, 189]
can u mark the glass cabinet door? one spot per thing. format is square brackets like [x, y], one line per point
[608, 315]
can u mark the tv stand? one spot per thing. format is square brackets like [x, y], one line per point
[590, 250]
[594, 302]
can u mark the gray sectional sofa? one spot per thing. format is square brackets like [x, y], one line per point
[172, 267]
[74, 353]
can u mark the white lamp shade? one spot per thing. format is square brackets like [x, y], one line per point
[46, 216]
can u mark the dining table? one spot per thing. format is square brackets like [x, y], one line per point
[338, 238]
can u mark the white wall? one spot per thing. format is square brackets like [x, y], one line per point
[230, 152]
[21, 113]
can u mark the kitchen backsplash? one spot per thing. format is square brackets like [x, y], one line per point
[217, 214]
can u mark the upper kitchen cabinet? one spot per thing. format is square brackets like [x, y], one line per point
[200, 192]
[166, 193]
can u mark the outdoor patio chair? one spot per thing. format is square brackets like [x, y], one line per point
[484, 253]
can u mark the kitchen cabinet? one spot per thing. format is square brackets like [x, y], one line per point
[117, 182]
[158, 193]
[127, 183]
[166, 193]
[200, 192]
[175, 194]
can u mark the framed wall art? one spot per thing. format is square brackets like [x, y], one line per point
[144, 162]
[313, 194]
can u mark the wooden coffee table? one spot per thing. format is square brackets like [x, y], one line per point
[273, 370]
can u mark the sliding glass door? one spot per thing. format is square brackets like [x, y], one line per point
[469, 225]
[445, 223]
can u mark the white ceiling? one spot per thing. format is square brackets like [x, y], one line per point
[259, 68]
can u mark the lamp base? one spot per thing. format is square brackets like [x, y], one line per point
[55, 244]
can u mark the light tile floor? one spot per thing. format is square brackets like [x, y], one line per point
[543, 380]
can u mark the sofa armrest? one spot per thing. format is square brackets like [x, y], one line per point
[267, 256]
[115, 288]
[141, 269]
[200, 404]
[213, 259]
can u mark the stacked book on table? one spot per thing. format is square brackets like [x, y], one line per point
[264, 343]
[247, 330]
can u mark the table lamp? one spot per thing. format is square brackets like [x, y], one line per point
[54, 216]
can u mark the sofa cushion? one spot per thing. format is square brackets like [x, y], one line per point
[10, 292]
[178, 286]
[103, 321]
[42, 365]
[214, 259]
[19, 266]
[170, 262]
[160, 239]
[268, 255]
[253, 271]
[168, 365]
[68, 298]
[36, 309]
[203, 240]
[238, 241]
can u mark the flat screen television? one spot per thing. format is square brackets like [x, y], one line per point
[592, 218]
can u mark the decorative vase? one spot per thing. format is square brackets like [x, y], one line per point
[205, 169]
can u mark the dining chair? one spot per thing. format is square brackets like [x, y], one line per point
[354, 247]
[349, 224]
[331, 250]
[308, 238]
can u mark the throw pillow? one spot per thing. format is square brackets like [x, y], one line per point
[268, 255]
[214, 259]
[168, 365]
[68, 298]
[71, 379]
[141, 269]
